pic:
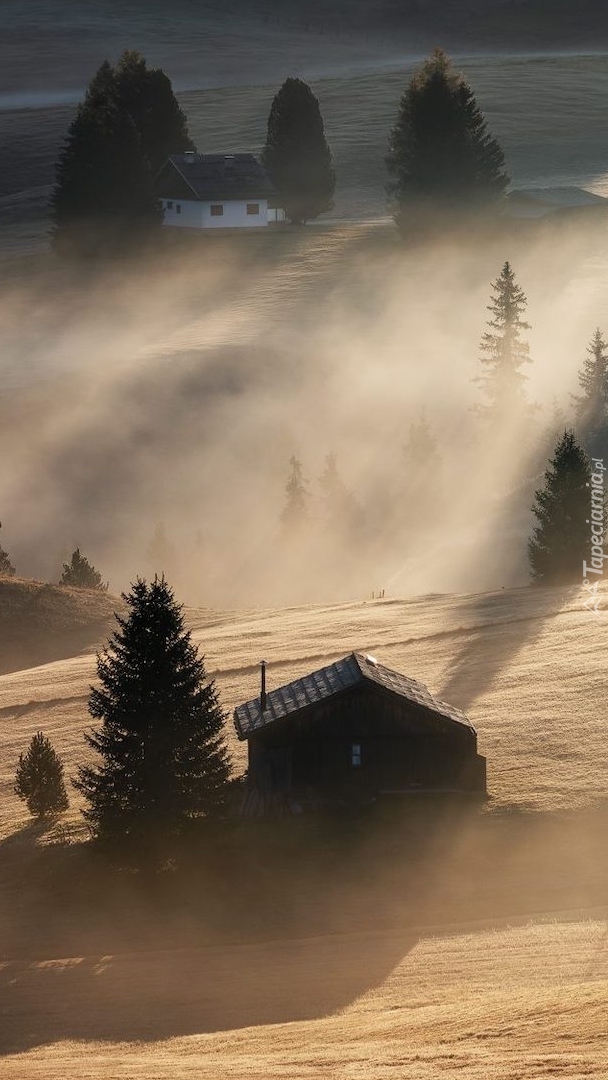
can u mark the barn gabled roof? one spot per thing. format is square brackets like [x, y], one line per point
[217, 176]
[354, 670]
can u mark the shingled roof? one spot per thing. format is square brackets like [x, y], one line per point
[222, 176]
[354, 670]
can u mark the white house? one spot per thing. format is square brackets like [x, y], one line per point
[216, 191]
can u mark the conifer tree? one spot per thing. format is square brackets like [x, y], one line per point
[6, 567]
[560, 541]
[340, 510]
[79, 573]
[295, 511]
[124, 130]
[441, 157]
[504, 351]
[161, 553]
[39, 778]
[551, 430]
[420, 450]
[420, 490]
[161, 740]
[146, 96]
[296, 155]
[104, 200]
[591, 407]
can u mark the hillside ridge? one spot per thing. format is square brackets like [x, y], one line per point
[41, 622]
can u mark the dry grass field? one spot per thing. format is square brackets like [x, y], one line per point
[416, 945]
[521, 1002]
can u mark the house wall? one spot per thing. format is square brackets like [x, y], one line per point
[197, 215]
[235, 215]
[188, 216]
[400, 748]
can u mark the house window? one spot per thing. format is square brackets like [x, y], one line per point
[217, 210]
[253, 209]
[355, 755]
[178, 208]
[169, 206]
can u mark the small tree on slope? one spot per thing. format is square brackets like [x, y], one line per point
[79, 573]
[294, 515]
[592, 405]
[504, 351]
[161, 743]
[39, 778]
[561, 540]
[418, 497]
[6, 567]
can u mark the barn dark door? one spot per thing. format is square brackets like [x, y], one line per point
[306, 763]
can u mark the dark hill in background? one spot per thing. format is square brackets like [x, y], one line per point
[495, 23]
[41, 622]
[498, 24]
[54, 49]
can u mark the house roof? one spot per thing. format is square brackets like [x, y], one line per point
[354, 670]
[220, 176]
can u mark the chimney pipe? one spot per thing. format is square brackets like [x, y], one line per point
[263, 686]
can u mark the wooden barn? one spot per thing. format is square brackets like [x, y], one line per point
[354, 729]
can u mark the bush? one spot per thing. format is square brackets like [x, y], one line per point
[79, 573]
[39, 779]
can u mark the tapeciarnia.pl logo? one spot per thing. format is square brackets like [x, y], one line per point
[597, 523]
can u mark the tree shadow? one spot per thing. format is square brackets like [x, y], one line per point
[504, 626]
[286, 927]
[169, 993]
[148, 956]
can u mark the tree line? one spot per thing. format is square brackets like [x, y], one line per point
[442, 160]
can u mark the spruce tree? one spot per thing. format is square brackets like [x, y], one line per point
[295, 511]
[123, 132]
[6, 567]
[146, 96]
[161, 742]
[504, 350]
[39, 778]
[560, 541]
[591, 407]
[104, 201]
[422, 482]
[296, 155]
[441, 158]
[161, 553]
[340, 510]
[420, 450]
[79, 573]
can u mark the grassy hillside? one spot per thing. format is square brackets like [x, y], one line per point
[488, 1005]
[408, 946]
[41, 622]
[528, 666]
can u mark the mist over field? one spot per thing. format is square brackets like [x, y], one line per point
[176, 392]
